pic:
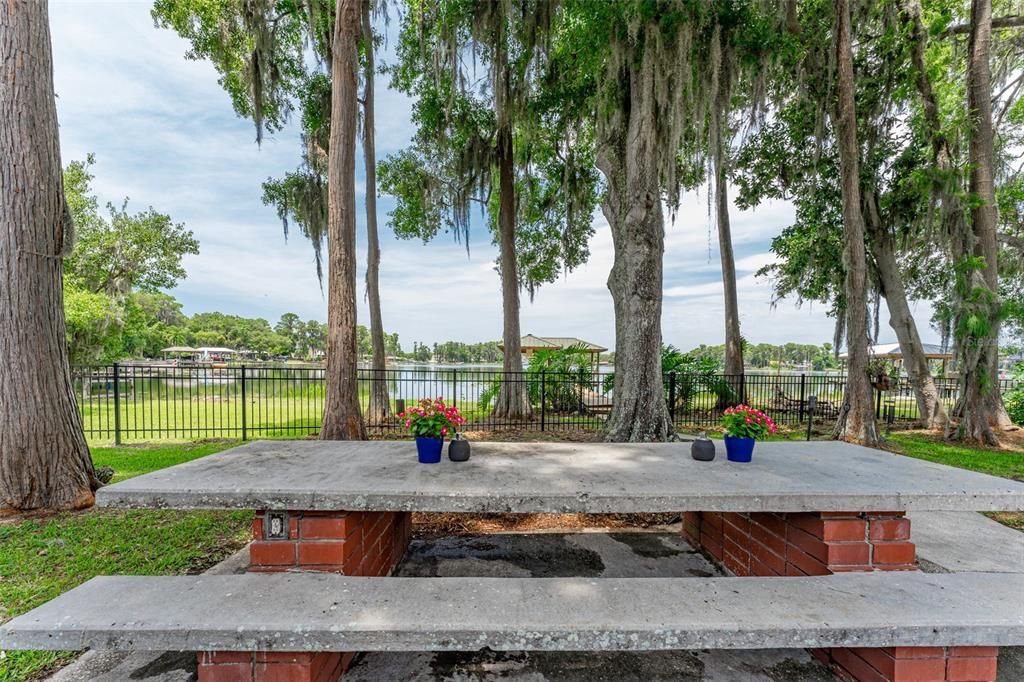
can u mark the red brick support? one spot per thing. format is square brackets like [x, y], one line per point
[247, 666]
[803, 544]
[823, 543]
[917, 664]
[350, 543]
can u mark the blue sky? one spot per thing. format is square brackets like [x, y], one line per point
[165, 135]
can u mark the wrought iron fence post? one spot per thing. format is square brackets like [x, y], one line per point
[803, 389]
[117, 404]
[583, 404]
[455, 386]
[812, 402]
[543, 398]
[672, 396]
[245, 425]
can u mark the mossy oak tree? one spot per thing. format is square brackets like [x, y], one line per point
[44, 461]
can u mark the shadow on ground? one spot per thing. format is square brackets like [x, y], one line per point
[590, 554]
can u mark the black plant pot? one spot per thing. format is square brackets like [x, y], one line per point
[458, 449]
[703, 450]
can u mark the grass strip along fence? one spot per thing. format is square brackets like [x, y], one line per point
[137, 402]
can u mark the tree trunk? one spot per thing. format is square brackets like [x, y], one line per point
[980, 407]
[856, 421]
[931, 411]
[342, 419]
[733, 338]
[632, 205]
[380, 405]
[513, 399]
[44, 461]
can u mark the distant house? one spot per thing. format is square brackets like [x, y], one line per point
[215, 353]
[892, 352]
[530, 344]
[180, 352]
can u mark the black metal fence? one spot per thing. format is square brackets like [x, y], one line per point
[132, 402]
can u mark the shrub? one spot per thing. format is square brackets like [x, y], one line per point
[1014, 399]
[565, 372]
[1015, 405]
[693, 374]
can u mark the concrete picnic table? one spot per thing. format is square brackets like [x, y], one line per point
[384, 476]
[799, 509]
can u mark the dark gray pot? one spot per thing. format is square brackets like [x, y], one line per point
[458, 450]
[703, 450]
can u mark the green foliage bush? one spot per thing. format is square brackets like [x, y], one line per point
[1015, 405]
[694, 372]
[557, 375]
[566, 371]
[1014, 399]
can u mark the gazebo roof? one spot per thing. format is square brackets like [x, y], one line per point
[532, 343]
[892, 351]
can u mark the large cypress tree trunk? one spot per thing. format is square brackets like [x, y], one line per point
[980, 407]
[856, 421]
[513, 400]
[44, 461]
[342, 419]
[931, 411]
[627, 158]
[380, 405]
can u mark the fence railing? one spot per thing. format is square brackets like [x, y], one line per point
[152, 402]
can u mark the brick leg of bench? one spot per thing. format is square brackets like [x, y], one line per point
[239, 666]
[350, 543]
[823, 543]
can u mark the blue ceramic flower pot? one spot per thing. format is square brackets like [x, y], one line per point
[739, 449]
[429, 449]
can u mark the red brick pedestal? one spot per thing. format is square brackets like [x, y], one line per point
[236, 666]
[349, 543]
[823, 543]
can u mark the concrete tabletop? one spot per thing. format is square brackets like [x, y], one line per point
[563, 477]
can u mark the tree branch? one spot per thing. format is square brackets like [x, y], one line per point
[998, 23]
[1010, 240]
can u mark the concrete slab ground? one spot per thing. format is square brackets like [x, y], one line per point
[590, 554]
[966, 541]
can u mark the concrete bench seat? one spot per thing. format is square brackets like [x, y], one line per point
[306, 612]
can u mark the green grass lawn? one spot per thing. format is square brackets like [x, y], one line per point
[1007, 463]
[45, 556]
